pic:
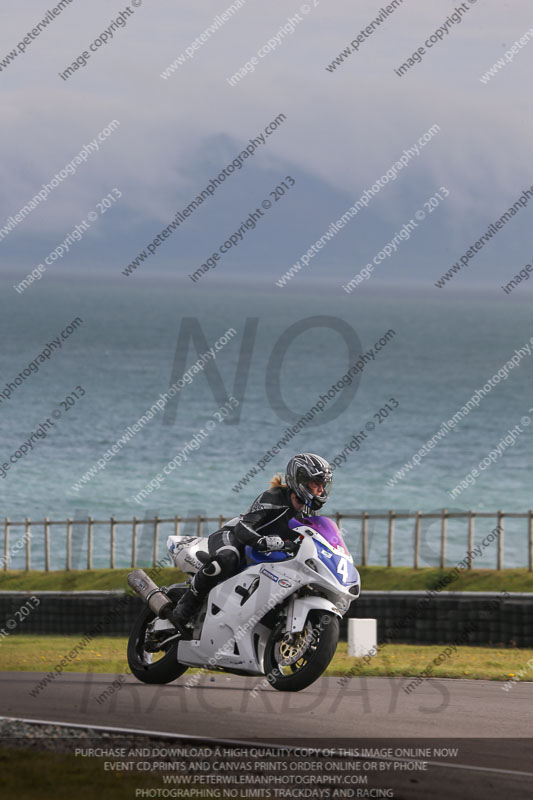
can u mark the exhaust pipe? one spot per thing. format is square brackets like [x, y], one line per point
[150, 592]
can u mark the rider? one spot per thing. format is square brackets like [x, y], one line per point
[265, 526]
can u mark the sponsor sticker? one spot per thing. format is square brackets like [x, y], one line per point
[193, 561]
[269, 574]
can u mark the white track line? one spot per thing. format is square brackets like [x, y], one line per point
[244, 743]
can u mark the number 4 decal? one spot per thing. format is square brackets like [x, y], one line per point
[342, 569]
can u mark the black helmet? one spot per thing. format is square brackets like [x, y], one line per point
[307, 467]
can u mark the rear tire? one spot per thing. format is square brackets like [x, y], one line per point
[314, 658]
[164, 670]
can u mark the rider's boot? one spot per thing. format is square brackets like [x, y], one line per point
[192, 600]
[187, 606]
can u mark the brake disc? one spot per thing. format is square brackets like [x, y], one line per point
[292, 646]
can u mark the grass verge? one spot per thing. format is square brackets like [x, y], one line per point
[34, 775]
[108, 654]
[380, 578]
[82, 580]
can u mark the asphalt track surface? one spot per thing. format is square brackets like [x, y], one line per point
[492, 728]
[226, 708]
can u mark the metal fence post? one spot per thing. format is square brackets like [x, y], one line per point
[500, 540]
[443, 539]
[200, 525]
[391, 538]
[69, 543]
[471, 516]
[6, 543]
[417, 541]
[90, 542]
[28, 544]
[156, 536]
[530, 539]
[134, 542]
[112, 544]
[364, 538]
[47, 544]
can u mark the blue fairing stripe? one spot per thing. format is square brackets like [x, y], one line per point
[332, 563]
[254, 556]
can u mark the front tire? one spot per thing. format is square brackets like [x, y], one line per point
[166, 668]
[294, 663]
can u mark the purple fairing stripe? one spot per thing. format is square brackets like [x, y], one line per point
[325, 527]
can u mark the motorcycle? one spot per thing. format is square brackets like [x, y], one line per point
[278, 616]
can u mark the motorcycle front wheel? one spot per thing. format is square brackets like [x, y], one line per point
[295, 661]
[161, 666]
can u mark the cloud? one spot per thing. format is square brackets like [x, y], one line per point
[344, 127]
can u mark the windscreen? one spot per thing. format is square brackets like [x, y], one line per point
[325, 527]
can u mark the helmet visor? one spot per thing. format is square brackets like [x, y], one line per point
[314, 488]
[320, 487]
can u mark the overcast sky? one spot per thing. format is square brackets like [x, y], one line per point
[343, 129]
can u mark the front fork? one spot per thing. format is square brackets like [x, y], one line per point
[299, 608]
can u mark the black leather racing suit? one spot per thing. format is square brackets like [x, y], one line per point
[268, 515]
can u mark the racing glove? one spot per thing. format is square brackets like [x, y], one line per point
[270, 543]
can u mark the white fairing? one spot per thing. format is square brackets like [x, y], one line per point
[232, 635]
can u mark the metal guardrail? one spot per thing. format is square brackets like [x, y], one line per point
[364, 517]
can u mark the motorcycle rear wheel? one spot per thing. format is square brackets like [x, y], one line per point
[313, 651]
[141, 663]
